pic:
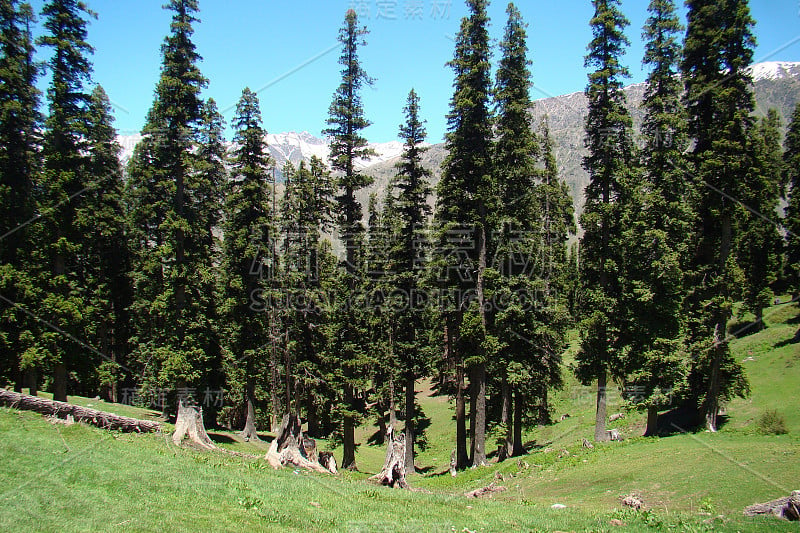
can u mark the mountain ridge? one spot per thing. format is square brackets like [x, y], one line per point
[776, 84]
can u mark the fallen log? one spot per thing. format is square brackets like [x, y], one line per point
[290, 447]
[488, 490]
[94, 417]
[190, 421]
[393, 473]
[787, 507]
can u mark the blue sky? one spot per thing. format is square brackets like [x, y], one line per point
[287, 51]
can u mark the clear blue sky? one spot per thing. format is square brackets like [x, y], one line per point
[256, 43]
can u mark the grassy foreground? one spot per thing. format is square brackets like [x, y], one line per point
[79, 478]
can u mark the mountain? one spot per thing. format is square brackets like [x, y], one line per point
[776, 84]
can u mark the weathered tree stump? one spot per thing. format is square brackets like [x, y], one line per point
[291, 447]
[101, 419]
[190, 421]
[787, 508]
[393, 473]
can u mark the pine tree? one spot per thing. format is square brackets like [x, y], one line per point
[248, 231]
[107, 256]
[346, 121]
[609, 163]
[20, 122]
[515, 152]
[170, 311]
[466, 200]
[63, 181]
[306, 213]
[411, 213]
[791, 175]
[718, 95]
[759, 251]
[657, 229]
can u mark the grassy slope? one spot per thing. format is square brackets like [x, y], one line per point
[80, 478]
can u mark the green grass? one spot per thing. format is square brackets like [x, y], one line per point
[80, 478]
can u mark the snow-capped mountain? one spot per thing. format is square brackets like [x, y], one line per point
[292, 147]
[774, 70]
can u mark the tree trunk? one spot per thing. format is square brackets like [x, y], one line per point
[290, 446]
[249, 432]
[479, 374]
[518, 448]
[544, 407]
[348, 433]
[461, 421]
[393, 473]
[408, 447]
[600, 434]
[32, 381]
[506, 418]
[392, 406]
[60, 382]
[311, 417]
[720, 328]
[760, 319]
[652, 422]
[479, 453]
[97, 418]
[190, 421]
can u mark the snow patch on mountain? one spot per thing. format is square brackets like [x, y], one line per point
[774, 70]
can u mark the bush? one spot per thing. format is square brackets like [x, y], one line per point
[772, 423]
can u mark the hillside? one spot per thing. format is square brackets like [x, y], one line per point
[81, 478]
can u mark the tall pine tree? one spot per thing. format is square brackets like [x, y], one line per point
[466, 198]
[609, 164]
[719, 98]
[346, 121]
[172, 301]
[657, 231]
[408, 257]
[106, 253]
[791, 160]
[759, 250]
[20, 141]
[63, 181]
[248, 230]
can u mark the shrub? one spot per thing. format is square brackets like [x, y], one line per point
[772, 423]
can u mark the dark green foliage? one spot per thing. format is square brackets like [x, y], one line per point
[533, 224]
[719, 99]
[346, 120]
[19, 162]
[60, 241]
[106, 253]
[306, 211]
[406, 217]
[172, 214]
[611, 166]
[760, 247]
[791, 159]
[657, 230]
[466, 202]
[248, 255]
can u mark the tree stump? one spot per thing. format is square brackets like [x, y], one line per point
[787, 508]
[190, 421]
[290, 446]
[393, 473]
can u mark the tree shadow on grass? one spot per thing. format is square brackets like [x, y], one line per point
[220, 438]
[685, 420]
[787, 342]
